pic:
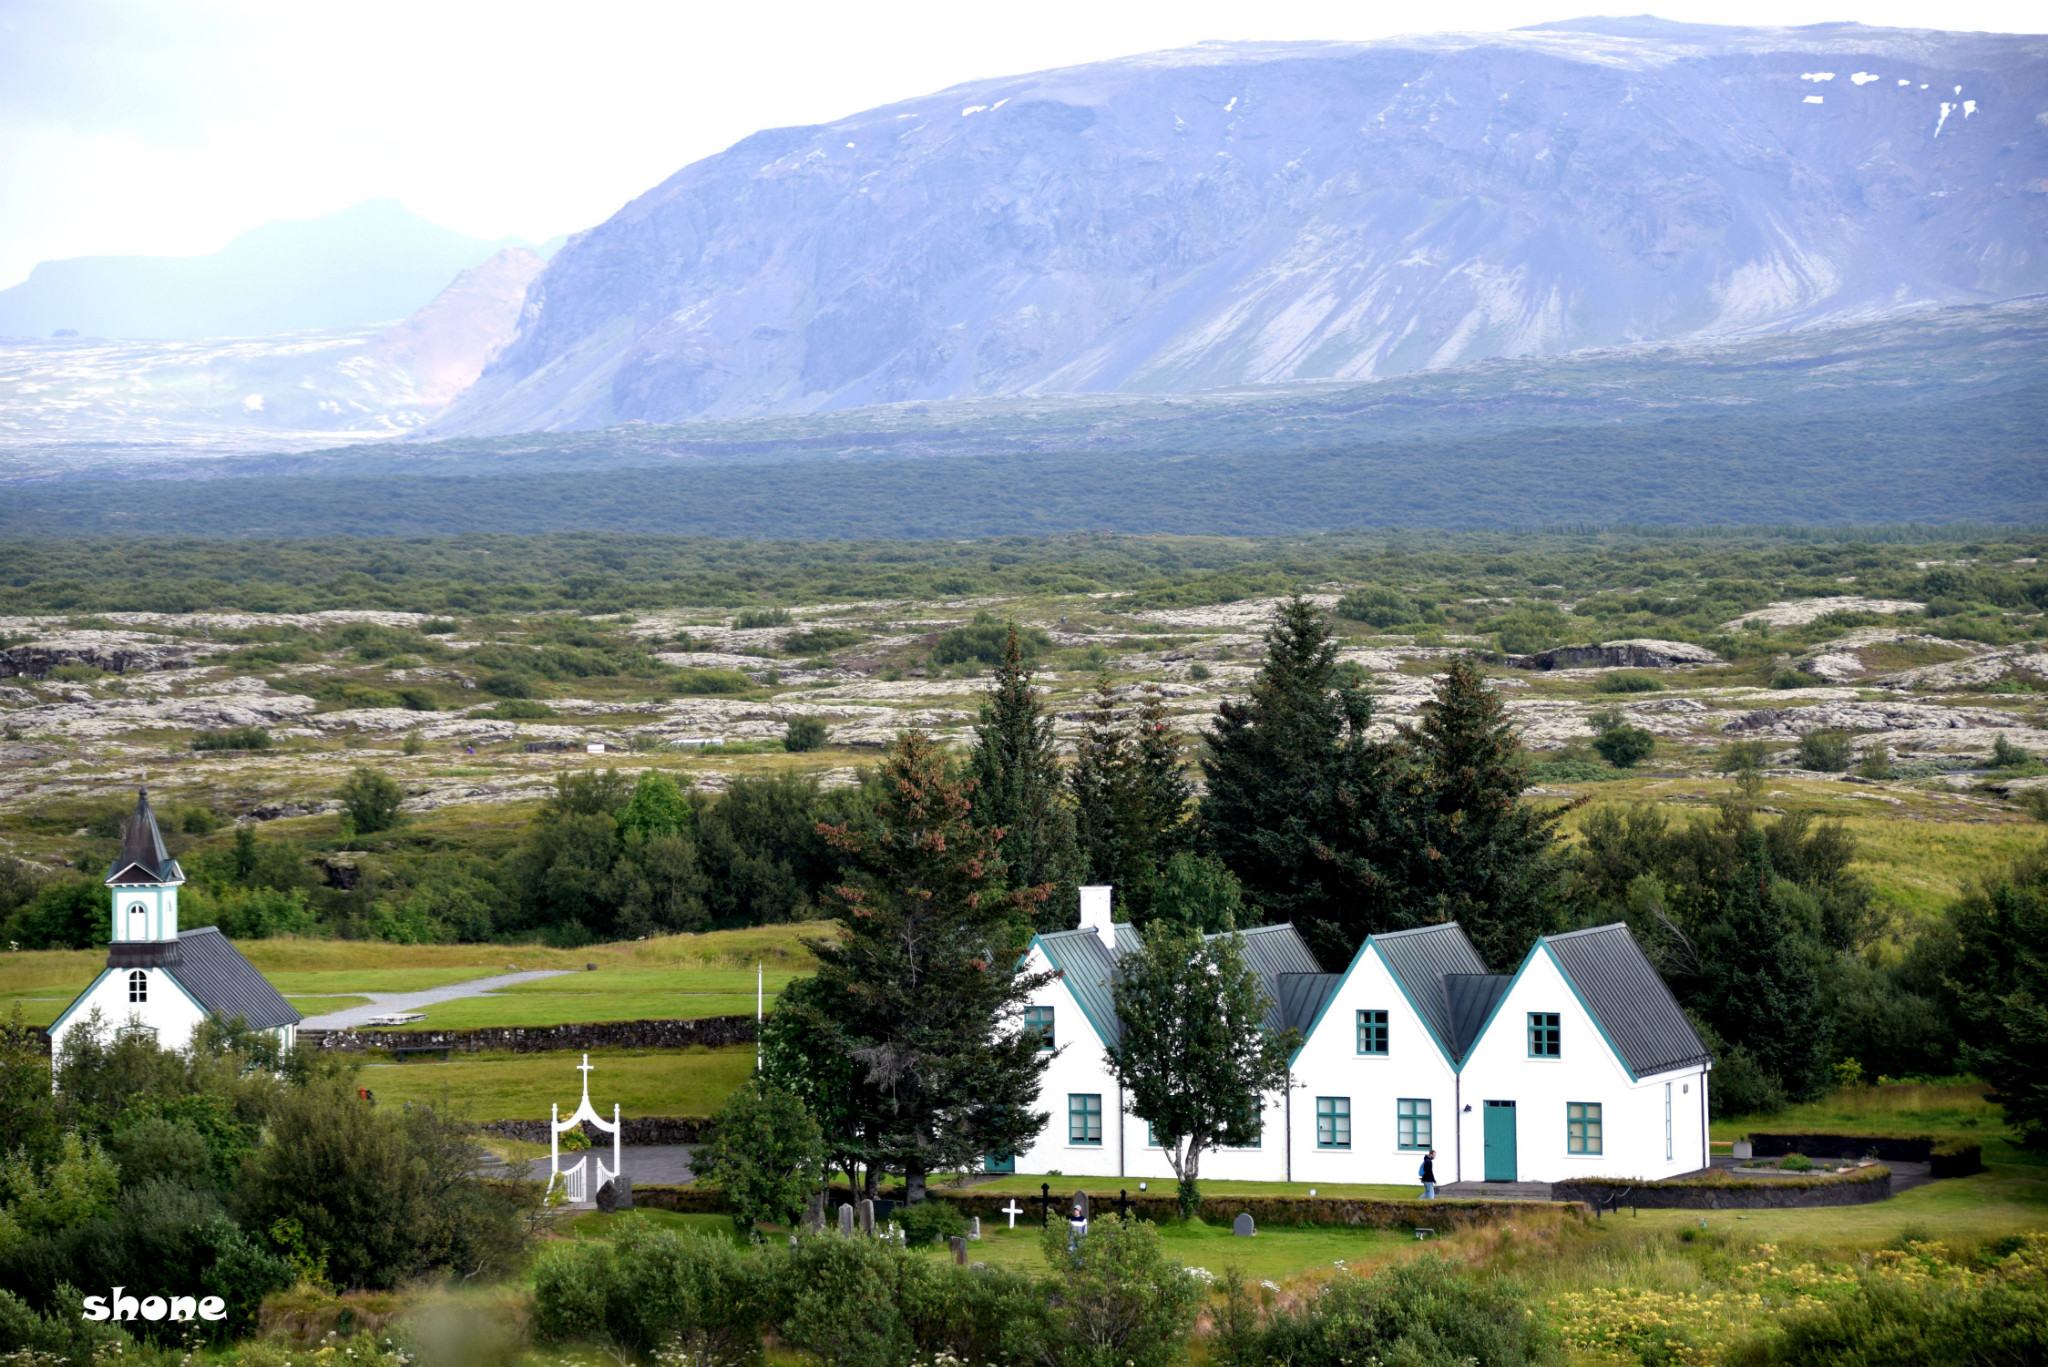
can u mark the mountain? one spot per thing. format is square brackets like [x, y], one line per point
[372, 263]
[1250, 214]
[72, 404]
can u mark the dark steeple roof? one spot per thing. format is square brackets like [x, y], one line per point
[143, 858]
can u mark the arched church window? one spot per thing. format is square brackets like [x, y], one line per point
[138, 986]
[138, 922]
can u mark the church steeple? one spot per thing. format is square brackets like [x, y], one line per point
[144, 879]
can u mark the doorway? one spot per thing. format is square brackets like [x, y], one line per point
[1500, 1141]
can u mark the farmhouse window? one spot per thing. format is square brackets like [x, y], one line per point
[1084, 1117]
[1333, 1122]
[1412, 1123]
[1372, 1032]
[1582, 1127]
[1546, 1037]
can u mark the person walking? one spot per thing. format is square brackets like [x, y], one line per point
[1428, 1175]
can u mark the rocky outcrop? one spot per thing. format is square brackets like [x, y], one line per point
[1633, 654]
[113, 652]
[1862, 716]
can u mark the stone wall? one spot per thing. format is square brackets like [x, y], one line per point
[633, 1129]
[1716, 1193]
[707, 1032]
[1944, 1157]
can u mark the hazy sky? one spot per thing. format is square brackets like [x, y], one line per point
[168, 126]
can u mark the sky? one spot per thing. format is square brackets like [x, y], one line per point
[166, 127]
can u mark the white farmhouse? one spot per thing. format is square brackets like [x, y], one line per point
[158, 980]
[1580, 1064]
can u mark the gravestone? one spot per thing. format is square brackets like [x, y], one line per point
[974, 1228]
[867, 1218]
[1744, 1150]
[814, 1213]
[615, 1195]
[959, 1246]
[846, 1220]
[1242, 1226]
[1081, 1200]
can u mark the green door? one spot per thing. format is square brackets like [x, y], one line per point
[1500, 1141]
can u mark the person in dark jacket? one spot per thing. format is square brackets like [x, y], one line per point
[1428, 1175]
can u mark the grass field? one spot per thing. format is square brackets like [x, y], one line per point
[686, 1082]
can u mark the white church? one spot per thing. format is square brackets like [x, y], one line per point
[1579, 1064]
[160, 981]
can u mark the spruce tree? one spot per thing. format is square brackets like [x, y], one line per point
[1758, 984]
[1018, 789]
[1474, 852]
[921, 984]
[1130, 794]
[1295, 791]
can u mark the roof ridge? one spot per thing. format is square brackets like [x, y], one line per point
[1413, 930]
[1589, 930]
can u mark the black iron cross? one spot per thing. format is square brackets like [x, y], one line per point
[1045, 1203]
[1123, 1205]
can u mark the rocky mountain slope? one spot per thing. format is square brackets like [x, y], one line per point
[371, 263]
[1256, 213]
[68, 404]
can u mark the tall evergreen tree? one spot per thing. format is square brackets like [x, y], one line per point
[1019, 790]
[1130, 794]
[921, 981]
[1472, 851]
[1296, 791]
[1758, 982]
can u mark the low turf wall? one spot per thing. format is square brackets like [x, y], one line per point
[705, 1032]
[1442, 1216]
[1717, 1192]
[1944, 1157]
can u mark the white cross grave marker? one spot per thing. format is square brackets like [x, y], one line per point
[1013, 1210]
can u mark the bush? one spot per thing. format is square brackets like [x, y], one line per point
[234, 738]
[506, 684]
[651, 1287]
[1795, 1162]
[370, 800]
[1795, 678]
[751, 619]
[1377, 607]
[1198, 672]
[1742, 756]
[804, 733]
[380, 1196]
[417, 700]
[930, 1221]
[1424, 1313]
[981, 642]
[1627, 683]
[820, 640]
[1877, 762]
[439, 626]
[2006, 755]
[1826, 752]
[348, 693]
[518, 709]
[766, 1153]
[1117, 1300]
[77, 673]
[1742, 1086]
[1624, 747]
[710, 681]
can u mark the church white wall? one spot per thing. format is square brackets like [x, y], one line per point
[1632, 1116]
[1329, 1065]
[170, 1012]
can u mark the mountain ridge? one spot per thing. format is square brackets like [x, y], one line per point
[1236, 214]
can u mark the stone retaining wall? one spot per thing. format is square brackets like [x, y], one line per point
[706, 1032]
[1442, 1216]
[633, 1129]
[1769, 1193]
[1943, 1157]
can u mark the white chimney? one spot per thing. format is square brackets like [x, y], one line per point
[1095, 914]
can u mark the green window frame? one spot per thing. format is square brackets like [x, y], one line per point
[1333, 1122]
[1546, 1035]
[1582, 1127]
[1372, 1033]
[1084, 1117]
[1039, 1018]
[1414, 1127]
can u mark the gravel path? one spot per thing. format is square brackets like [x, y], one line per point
[388, 1003]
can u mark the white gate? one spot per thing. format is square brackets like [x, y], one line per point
[576, 1183]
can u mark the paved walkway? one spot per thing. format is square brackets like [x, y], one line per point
[391, 1003]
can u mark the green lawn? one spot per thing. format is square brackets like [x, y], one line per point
[1028, 1183]
[737, 981]
[37, 1010]
[564, 1008]
[521, 1086]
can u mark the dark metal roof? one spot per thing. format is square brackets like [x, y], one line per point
[1303, 997]
[1084, 962]
[1628, 998]
[226, 984]
[1420, 960]
[143, 858]
[1471, 998]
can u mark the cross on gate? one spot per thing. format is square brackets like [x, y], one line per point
[585, 1069]
[1123, 1205]
[1044, 1203]
[1013, 1210]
